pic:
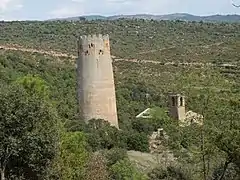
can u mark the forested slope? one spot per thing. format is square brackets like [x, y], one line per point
[208, 152]
[141, 39]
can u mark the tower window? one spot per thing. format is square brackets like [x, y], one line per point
[100, 51]
[91, 45]
[86, 52]
[173, 101]
[181, 101]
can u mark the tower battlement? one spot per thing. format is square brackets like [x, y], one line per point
[94, 37]
[94, 44]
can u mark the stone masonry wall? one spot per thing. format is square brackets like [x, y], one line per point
[96, 89]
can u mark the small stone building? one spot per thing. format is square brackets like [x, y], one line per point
[177, 110]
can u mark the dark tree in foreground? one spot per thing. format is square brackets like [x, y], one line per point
[28, 134]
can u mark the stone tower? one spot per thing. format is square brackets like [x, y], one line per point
[96, 89]
[177, 106]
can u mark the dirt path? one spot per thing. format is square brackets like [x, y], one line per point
[171, 47]
[152, 51]
[16, 47]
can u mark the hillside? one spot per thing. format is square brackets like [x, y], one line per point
[165, 42]
[48, 50]
[161, 41]
[176, 16]
[133, 80]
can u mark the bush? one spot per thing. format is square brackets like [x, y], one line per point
[137, 141]
[124, 170]
[106, 137]
[29, 134]
[114, 155]
[169, 173]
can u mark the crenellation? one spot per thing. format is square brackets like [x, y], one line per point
[94, 36]
[83, 37]
[100, 36]
[94, 44]
[106, 37]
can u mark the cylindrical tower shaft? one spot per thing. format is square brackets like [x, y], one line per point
[96, 89]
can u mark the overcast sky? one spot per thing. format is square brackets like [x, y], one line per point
[45, 9]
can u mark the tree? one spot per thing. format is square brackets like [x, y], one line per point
[170, 172]
[143, 125]
[28, 134]
[125, 170]
[227, 137]
[34, 85]
[114, 155]
[137, 141]
[100, 135]
[73, 156]
[97, 168]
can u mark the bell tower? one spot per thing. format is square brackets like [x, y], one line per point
[177, 106]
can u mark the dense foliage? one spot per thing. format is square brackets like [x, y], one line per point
[38, 113]
[142, 39]
[29, 134]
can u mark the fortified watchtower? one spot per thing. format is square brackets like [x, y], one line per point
[177, 106]
[96, 89]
